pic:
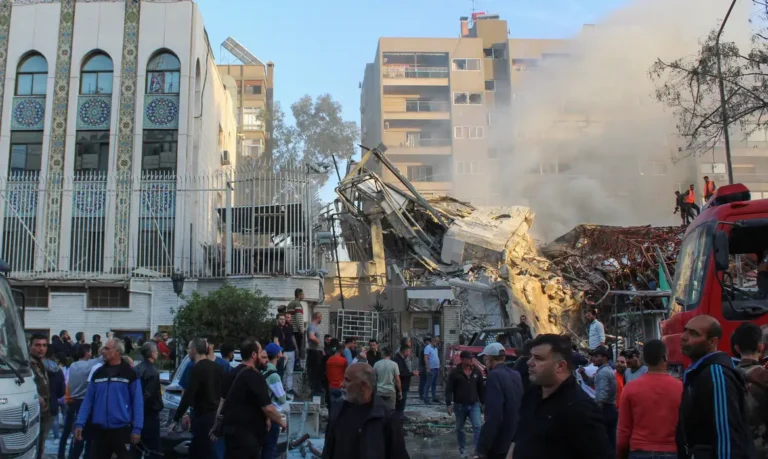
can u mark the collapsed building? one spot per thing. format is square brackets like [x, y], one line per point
[440, 266]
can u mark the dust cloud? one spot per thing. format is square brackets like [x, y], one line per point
[592, 118]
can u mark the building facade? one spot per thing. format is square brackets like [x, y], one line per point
[253, 100]
[120, 135]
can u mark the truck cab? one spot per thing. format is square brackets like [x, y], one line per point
[722, 260]
[19, 406]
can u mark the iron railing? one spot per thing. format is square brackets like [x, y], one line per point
[399, 71]
[248, 221]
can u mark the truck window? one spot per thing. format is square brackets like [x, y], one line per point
[13, 346]
[691, 269]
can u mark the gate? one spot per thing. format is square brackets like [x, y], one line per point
[362, 325]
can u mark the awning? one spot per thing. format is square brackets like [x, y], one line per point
[437, 293]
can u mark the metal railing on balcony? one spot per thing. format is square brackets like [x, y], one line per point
[427, 106]
[412, 142]
[398, 71]
[249, 221]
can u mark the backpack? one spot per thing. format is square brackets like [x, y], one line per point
[756, 403]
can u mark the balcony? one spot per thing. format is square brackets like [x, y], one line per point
[416, 146]
[415, 75]
[416, 109]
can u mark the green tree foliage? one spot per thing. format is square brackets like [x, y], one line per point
[318, 132]
[229, 313]
[689, 85]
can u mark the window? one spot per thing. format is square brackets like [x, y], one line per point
[163, 74]
[467, 168]
[31, 296]
[712, 168]
[159, 150]
[96, 77]
[253, 120]
[490, 85]
[466, 64]
[468, 98]
[493, 53]
[92, 151]
[108, 298]
[253, 89]
[420, 173]
[469, 132]
[32, 76]
[690, 271]
[26, 151]
[253, 147]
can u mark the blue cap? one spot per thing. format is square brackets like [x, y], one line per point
[273, 349]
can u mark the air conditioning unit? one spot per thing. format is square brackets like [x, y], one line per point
[225, 158]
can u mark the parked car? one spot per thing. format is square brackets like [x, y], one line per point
[510, 337]
[176, 444]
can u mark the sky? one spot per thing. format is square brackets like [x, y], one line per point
[322, 47]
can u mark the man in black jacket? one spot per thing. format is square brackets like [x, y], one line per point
[402, 360]
[362, 426]
[558, 420]
[153, 400]
[503, 392]
[521, 364]
[465, 387]
[713, 419]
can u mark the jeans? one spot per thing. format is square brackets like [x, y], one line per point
[651, 455]
[610, 420]
[150, 436]
[201, 446]
[290, 362]
[46, 420]
[475, 418]
[68, 427]
[431, 381]
[269, 451]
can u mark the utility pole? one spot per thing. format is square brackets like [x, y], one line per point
[723, 107]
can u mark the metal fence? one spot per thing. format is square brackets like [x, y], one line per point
[242, 222]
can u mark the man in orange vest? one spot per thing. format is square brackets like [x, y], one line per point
[709, 188]
[690, 199]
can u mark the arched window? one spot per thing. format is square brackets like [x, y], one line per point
[163, 74]
[96, 76]
[32, 76]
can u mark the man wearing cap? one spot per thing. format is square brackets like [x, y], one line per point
[503, 394]
[278, 395]
[605, 390]
[466, 388]
[635, 368]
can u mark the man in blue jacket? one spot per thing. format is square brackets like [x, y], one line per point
[503, 395]
[114, 402]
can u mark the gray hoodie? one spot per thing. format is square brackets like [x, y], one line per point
[78, 377]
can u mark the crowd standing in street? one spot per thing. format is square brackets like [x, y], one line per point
[712, 421]
[649, 410]
[362, 426]
[464, 394]
[113, 405]
[557, 419]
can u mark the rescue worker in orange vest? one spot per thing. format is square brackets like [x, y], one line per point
[690, 199]
[683, 207]
[709, 188]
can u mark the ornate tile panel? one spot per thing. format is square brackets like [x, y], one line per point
[125, 126]
[161, 111]
[59, 126]
[28, 113]
[5, 28]
[94, 112]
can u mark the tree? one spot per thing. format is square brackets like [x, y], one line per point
[229, 313]
[319, 132]
[690, 87]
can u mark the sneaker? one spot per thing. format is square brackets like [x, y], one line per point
[434, 400]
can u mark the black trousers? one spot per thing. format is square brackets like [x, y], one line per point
[201, 446]
[241, 444]
[150, 436]
[314, 362]
[107, 442]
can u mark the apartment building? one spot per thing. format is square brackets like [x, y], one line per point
[116, 180]
[442, 107]
[253, 99]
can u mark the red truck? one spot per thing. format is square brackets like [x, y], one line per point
[716, 274]
[510, 337]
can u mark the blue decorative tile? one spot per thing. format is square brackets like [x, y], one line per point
[94, 112]
[161, 111]
[28, 113]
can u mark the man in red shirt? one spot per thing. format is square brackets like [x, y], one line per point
[162, 348]
[334, 371]
[649, 411]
